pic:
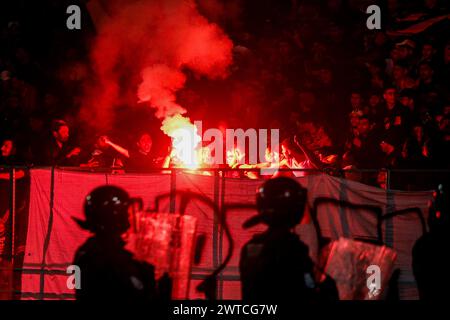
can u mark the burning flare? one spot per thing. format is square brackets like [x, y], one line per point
[186, 146]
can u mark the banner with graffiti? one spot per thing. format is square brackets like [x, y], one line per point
[337, 208]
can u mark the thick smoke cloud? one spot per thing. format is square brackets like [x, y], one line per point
[142, 52]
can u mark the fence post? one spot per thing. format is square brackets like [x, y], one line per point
[388, 179]
[217, 234]
[173, 190]
[13, 214]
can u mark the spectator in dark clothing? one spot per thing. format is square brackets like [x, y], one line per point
[106, 154]
[400, 76]
[374, 110]
[391, 147]
[407, 100]
[140, 157]
[364, 146]
[393, 151]
[356, 101]
[58, 151]
[354, 117]
[428, 53]
[363, 151]
[396, 115]
[8, 152]
[405, 50]
[427, 84]
[8, 157]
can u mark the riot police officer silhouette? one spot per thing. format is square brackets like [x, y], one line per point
[430, 252]
[108, 271]
[275, 265]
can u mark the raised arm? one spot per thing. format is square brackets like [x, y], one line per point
[118, 148]
[313, 159]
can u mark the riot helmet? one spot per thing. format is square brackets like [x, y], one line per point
[106, 211]
[280, 202]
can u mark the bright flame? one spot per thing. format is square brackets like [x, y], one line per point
[272, 157]
[185, 141]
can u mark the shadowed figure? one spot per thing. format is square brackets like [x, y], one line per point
[275, 265]
[108, 271]
[430, 252]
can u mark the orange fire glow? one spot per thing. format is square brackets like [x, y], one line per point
[186, 142]
[234, 157]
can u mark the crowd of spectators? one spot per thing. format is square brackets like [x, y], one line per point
[355, 98]
[374, 99]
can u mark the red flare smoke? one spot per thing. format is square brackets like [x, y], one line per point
[143, 47]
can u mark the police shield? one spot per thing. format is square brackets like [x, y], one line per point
[361, 270]
[167, 241]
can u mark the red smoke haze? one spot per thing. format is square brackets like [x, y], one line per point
[141, 52]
